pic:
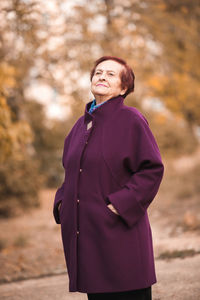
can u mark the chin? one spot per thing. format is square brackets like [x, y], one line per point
[100, 95]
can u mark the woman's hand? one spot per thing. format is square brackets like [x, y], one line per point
[59, 205]
[111, 207]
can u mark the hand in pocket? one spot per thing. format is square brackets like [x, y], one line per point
[111, 207]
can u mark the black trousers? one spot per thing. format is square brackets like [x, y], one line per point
[143, 294]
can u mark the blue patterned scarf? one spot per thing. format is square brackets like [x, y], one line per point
[94, 106]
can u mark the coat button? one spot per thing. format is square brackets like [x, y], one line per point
[89, 125]
[81, 170]
[86, 142]
[77, 232]
[78, 200]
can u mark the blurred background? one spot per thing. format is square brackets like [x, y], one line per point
[47, 49]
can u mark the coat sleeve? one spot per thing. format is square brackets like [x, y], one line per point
[146, 167]
[60, 191]
[58, 198]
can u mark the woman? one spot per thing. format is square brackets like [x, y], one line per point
[113, 170]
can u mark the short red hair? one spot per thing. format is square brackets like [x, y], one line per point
[127, 75]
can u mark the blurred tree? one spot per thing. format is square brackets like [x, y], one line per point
[47, 143]
[176, 78]
[18, 172]
[171, 142]
[19, 176]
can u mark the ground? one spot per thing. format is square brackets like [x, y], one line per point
[33, 266]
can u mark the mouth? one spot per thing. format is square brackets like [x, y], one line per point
[101, 84]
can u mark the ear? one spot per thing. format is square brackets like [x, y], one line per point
[123, 91]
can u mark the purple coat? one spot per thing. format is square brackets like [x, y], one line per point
[110, 156]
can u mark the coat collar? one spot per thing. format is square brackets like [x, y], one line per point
[104, 110]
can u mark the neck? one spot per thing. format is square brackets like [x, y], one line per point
[101, 98]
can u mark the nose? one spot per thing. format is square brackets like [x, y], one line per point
[102, 76]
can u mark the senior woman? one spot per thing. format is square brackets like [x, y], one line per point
[113, 170]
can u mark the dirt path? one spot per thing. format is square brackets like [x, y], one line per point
[178, 279]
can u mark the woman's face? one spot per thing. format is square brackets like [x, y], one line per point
[106, 82]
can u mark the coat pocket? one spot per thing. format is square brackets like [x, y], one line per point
[109, 212]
